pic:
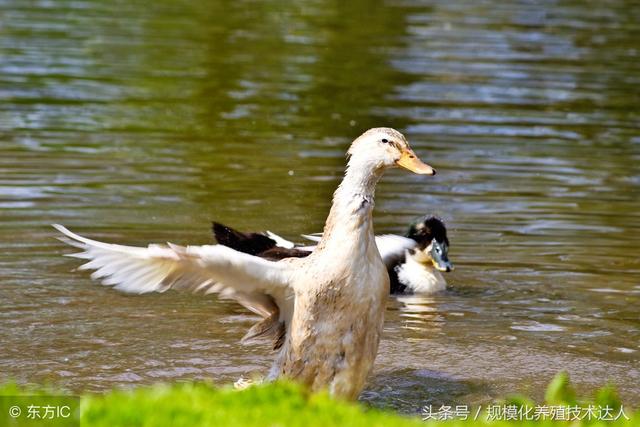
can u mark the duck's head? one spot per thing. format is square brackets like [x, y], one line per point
[382, 148]
[433, 245]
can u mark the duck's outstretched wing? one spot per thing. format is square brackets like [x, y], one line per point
[390, 246]
[280, 241]
[269, 246]
[249, 243]
[157, 268]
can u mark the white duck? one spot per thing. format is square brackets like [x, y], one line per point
[325, 311]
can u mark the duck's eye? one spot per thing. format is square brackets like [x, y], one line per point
[385, 140]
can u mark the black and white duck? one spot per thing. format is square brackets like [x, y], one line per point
[414, 261]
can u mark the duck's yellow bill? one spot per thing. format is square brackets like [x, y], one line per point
[410, 161]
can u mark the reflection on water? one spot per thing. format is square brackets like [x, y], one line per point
[136, 122]
[420, 312]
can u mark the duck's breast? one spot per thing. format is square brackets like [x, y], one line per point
[337, 322]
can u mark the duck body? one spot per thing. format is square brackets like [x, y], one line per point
[334, 341]
[324, 312]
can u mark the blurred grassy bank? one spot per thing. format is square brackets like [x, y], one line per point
[284, 404]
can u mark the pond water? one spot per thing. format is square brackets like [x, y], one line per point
[136, 122]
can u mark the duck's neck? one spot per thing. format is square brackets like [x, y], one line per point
[350, 218]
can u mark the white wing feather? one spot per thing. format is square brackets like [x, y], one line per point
[280, 241]
[156, 268]
[392, 246]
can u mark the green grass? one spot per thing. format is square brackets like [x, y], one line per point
[285, 404]
[203, 405]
